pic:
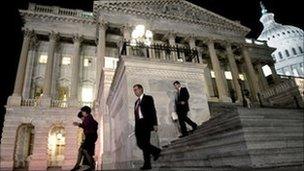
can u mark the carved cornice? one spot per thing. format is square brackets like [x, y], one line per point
[77, 38]
[178, 10]
[58, 18]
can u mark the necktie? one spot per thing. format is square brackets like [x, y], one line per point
[137, 109]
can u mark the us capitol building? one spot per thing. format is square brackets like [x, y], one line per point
[71, 58]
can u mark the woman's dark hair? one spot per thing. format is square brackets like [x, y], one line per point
[86, 109]
[80, 115]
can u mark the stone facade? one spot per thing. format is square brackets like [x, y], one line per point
[62, 68]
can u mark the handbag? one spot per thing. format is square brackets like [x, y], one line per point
[174, 116]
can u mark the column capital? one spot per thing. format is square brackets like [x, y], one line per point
[208, 40]
[126, 27]
[77, 38]
[103, 24]
[34, 43]
[28, 33]
[54, 36]
[170, 34]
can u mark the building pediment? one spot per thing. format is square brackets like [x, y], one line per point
[170, 9]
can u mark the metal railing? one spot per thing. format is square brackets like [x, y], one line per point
[161, 51]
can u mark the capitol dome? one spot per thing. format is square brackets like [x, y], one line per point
[289, 44]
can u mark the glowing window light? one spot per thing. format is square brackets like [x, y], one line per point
[43, 59]
[87, 62]
[212, 74]
[87, 94]
[228, 75]
[266, 70]
[66, 61]
[242, 77]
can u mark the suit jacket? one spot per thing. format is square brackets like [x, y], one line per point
[148, 111]
[182, 96]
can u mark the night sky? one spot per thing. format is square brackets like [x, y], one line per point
[246, 11]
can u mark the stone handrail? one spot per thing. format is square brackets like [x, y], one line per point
[59, 103]
[280, 88]
[60, 11]
[90, 104]
[29, 102]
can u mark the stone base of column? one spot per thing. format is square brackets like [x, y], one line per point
[45, 102]
[74, 103]
[225, 99]
[14, 100]
[37, 164]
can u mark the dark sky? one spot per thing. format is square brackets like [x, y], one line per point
[247, 11]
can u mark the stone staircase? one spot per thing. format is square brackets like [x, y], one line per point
[237, 137]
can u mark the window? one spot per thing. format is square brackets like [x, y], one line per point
[273, 36]
[288, 32]
[273, 57]
[287, 53]
[294, 51]
[266, 70]
[293, 31]
[278, 34]
[87, 62]
[43, 59]
[280, 55]
[268, 38]
[228, 75]
[66, 61]
[283, 33]
[300, 49]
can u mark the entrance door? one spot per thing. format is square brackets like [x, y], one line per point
[23, 146]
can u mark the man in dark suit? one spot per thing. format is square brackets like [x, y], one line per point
[145, 122]
[182, 108]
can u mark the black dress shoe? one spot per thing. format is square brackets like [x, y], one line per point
[75, 168]
[157, 155]
[146, 168]
[184, 135]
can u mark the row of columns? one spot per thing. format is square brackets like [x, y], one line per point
[29, 37]
[219, 76]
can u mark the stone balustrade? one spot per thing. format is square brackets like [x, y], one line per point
[29, 102]
[54, 103]
[278, 89]
[60, 11]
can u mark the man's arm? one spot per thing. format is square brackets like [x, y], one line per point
[153, 114]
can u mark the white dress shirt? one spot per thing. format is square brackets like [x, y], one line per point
[139, 109]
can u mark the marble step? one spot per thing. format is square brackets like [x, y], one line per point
[226, 157]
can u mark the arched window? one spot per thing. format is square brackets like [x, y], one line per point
[283, 33]
[273, 36]
[294, 51]
[288, 32]
[280, 55]
[287, 53]
[300, 49]
[293, 31]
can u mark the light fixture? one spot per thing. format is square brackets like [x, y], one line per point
[141, 36]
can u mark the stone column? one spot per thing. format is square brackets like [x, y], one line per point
[208, 79]
[101, 51]
[275, 76]
[219, 79]
[192, 45]
[71, 146]
[29, 71]
[39, 158]
[251, 72]
[262, 78]
[126, 32]
[15, 99]
[171, 38]
[75, 71]
[234, 71]
[47, 87]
